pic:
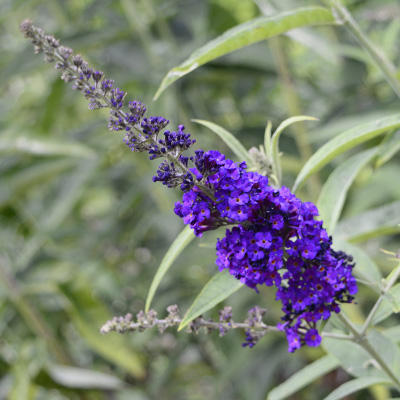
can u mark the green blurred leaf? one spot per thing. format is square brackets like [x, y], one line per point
[393, 333]
[333, 194]
[179, 244]
[345, 141]
[22, 382]
[59, 208]
[88, 314]
[357, 361]
[353, 358]
[217, 289]
[366, 267]
[389, 306]
[80, 378]
[388, 149]
[245, 34]
[40, 147]
[275, 140]
[380, 221]
[230, 141]
[304, 377]
[354, 386]
[35, 175]
[386, 348]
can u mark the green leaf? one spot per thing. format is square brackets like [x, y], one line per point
[88, 314]
[34, 175]
[388, 306]
[366, 267]
[393, 333]
[352, 358]
[179, 244]
[388, 149]
[358, 362]
[386, 348]
[53, 215]
[229, 140]
[245, 34]
[25, 145]
[380, 221]
[275, 140]
[345, 141]
[354, 386]
[80, 378]
[22, 383]
[304, 377]
[333, 194]
[217, 289]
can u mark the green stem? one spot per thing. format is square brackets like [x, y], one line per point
[337, 336]
[374, 309]
[362, 340]
[294, 109]
[387, 68]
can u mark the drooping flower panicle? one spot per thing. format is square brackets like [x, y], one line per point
[275, 238]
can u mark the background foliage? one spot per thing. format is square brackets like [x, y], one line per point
[83, 228]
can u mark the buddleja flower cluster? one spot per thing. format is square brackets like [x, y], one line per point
[275, 238]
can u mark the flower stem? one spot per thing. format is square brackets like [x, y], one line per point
[375, 308]
[386, 67]
[362, 340]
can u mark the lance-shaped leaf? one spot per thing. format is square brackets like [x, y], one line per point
[380, 221]
[333, 194]
[217, 289]
[358, 362]
[81, 378]
[87, 315]
[354, 386]
[245, 34]
[388, 149]
[304, 377]
[389, 306]
[275, 141]
[179, 244]
[40, 147]
[229, 140]
[366, 268]
[345, 141]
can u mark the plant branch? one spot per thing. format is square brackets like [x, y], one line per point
[387, 68]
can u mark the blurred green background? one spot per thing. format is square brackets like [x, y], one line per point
[83, 228]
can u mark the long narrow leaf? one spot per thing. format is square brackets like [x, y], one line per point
[179, 244]
[81, 378]
[276, 136]
[333, 194]
[380, 221]
[245, 34]
[217, 289]
[304, 377]
[42, 147]
[229, 140]
[345, 141]
[366, 267]
[354, 386]
[389, 306]
[389, 149]
[87, 315]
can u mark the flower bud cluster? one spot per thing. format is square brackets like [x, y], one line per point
[254, 327]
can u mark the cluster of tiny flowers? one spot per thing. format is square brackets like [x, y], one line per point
[276, 241]
[276, 238]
